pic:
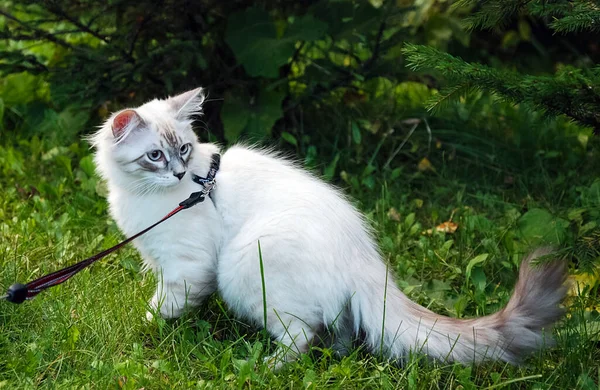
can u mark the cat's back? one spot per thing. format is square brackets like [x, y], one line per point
[249, 160]
[261, 177]
[261, 188]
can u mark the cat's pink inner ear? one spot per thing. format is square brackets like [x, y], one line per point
[121, 121]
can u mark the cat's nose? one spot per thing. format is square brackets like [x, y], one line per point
[179, 175]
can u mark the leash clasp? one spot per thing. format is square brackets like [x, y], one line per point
[208, 185]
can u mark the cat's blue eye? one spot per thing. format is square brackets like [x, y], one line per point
[184, 149]
[155, 155]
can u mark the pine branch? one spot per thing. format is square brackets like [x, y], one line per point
[582, 19]
[587, 250]
[569, 15]
[544, 9]
[572, 92]
[491, 14]
[447, 95]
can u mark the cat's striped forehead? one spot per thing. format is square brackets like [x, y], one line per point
[169, 136]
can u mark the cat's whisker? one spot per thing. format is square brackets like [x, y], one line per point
[147, 190]
[152, 189]
[139, 184]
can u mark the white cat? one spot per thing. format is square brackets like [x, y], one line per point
[323, 272]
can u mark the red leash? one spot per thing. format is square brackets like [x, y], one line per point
[18, 293]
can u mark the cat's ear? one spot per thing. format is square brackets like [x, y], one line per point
[188, 103]
[124, 121]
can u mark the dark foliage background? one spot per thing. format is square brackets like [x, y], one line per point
[477, 113]
[282, 69]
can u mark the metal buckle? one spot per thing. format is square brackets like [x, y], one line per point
[208, 185]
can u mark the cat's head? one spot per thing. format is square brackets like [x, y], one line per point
[149, 148]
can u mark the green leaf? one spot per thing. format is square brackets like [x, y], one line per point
[538, 226]
[368, 182]
[576, 214]
[446, 247]
[437, 289]
[349, 21]
[266, 112]
[73, 119]
[309, 379]
[235, 115]
[306, 28]
[86, 164]
[585, 382]
[478, 278]
[73, 336]
[524, 30]
[474, 261]
[252, 36]
[54, 153]
[289, 138]
[65, 162]
[409, 220]
[356, 136]
[329, 171]
[248, 31]
[22, 88]
[510, 39]
[254, 117]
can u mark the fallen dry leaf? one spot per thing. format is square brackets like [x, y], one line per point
[425, 165]
[446, 227]
[393, 215]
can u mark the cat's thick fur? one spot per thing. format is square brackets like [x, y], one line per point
[323, 271]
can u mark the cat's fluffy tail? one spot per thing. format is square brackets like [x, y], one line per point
[507, 335]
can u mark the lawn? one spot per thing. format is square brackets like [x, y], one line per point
[91, 332]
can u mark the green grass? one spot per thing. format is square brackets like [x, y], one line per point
[91, 332]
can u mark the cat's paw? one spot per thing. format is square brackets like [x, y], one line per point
[274, 362]
[165, 311]
[152, 314]
[153, 309]
[279, 358]
[149, 316]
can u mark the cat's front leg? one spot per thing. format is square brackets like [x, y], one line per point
[173, 297]
[167, 302]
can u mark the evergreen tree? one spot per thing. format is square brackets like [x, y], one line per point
[573, 90]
